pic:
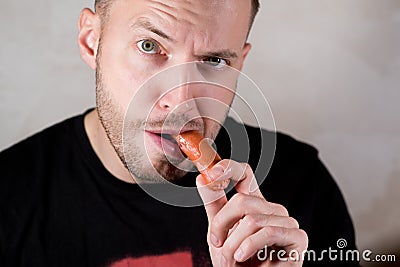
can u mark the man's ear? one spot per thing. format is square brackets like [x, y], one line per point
[245, 52]
[89, 35]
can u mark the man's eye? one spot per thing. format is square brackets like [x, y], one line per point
[149, 47]
[216, 62]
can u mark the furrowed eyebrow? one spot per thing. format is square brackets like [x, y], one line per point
[147, 25]
[226, 53]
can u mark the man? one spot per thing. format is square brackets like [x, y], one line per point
[72, 195]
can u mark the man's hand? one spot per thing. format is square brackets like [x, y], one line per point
[247, 223]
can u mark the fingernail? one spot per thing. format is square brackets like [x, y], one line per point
[216, 172]
[238, 255]
[221, 185]
[223, 261]
[214, 240]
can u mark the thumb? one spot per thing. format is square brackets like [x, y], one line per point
[213, 200]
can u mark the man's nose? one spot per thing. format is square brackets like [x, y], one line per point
[180, 97]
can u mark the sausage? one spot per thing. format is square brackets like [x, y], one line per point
[199, 151]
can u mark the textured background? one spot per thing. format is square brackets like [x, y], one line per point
[330, 69]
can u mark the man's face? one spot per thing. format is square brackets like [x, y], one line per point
[141, 38]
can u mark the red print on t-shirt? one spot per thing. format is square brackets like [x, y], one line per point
[177, 259]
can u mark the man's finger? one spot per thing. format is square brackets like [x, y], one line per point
[241, 174]
[251, 224]
[213, 200]
[229, 214]
[289, 239]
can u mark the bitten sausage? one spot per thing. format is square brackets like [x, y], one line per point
[199, 151]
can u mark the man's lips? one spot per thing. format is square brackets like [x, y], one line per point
[166, 143]
[172, 131]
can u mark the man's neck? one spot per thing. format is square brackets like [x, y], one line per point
[103, 148]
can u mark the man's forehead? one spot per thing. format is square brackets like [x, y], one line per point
[193, 8]
[192, 4]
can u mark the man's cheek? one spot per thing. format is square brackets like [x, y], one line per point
[124, 85]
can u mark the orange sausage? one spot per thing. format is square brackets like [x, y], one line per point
[199, 151]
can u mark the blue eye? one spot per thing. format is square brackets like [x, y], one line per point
[149, 47]
[216, 62]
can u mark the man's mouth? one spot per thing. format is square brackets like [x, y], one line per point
[166, 143]
[168, 137]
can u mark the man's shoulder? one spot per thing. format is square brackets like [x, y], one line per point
[39, 142]
[24, 164]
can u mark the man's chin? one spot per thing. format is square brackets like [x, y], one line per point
[170, 169]
[161, 171]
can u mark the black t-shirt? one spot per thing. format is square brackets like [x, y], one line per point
[59, 206]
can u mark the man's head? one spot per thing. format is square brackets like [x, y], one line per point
[129, 41]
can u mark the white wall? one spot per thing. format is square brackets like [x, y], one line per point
[330, 69]
[42, 79]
